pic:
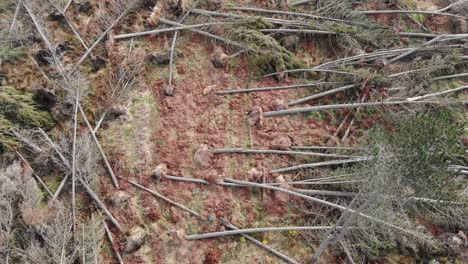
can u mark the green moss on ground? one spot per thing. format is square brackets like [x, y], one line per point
[20, 110]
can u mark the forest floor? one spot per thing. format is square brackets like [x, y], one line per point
[159, 129]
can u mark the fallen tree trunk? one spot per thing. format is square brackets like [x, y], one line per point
[462, 88]
[333, 205]
[421, 12]
[267, 89]
[260, 244]
[164, 30]
[111, 241]
[185, 179]
[322, 94]
[257, 230]
[204, 33]
[162, 197]
[278, 12]
[326, 193]
[103, 155]
[277, 152]
[324, 147]
[319, 164]
[344, 106]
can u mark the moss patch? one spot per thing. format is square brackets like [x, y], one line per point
[20, 110]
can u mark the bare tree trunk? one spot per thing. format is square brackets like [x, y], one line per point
[277, 152]
[322, 94]
[111, 240]
[73, 169]
[344, 106]
[256, 230]
[227, 41]
[333, 205]
[260, 244]
[267, 89]
[267, 11]
[185, 179]
[36, 176]
[376, 12]
[160, 196]
[88, 189]
[164, 30]
[103, 155]
[437, 94]
[320, 164]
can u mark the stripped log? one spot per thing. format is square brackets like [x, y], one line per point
[320, 164]
[204, 33]
[164, 30]
[278, 12]
[42, 183]
[273, 88]
[347, 106]
[459, 89]
[85, 185]
[101, 151]
[322, 94]
[260, 244]
[277, 152]
[111, 241]
[419, 12]
[326, 193]
[257, 230]
[323, 202]
[184, 179]
[324, 147]
[164, 198]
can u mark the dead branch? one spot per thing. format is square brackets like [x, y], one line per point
[260, 244]
[267, 89]
[320, 164]
[277, 152]
[160, 196]
[322, 94]
[256, 230]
